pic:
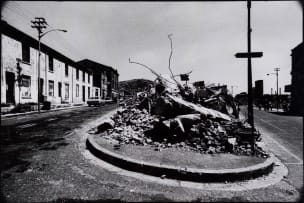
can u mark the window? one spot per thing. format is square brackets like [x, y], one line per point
[51, 65]
[25, 52]
[89, 92]
[51, 88]
[66, 70]
[59, 89]
[67, 88]
[77, 74]
[26, 86]
[77, 90]
[83, 76]
[89, 79]
[96, 92]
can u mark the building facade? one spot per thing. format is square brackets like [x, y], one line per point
[105, 78]
[61, 79]
[297, 80]
[258, 89]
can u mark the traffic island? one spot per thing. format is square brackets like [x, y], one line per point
[176, 163]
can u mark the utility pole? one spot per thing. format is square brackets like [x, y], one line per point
[250, 103]
[277, 74]
[276, 92]
[39, 23]
[249, 55]
[271, 91]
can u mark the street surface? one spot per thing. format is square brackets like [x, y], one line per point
[42, 160]
[284, 137]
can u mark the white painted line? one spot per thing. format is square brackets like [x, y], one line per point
[27, 125]
[284, 148]
[273, 125]
[298, 163]
[51, 119]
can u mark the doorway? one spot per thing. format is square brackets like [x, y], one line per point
[10, 87]
[41, 98]
[59, 89]
[83, 93]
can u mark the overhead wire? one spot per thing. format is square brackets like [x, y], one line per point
[28, 15]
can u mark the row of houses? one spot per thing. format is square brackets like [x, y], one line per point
[62, 80]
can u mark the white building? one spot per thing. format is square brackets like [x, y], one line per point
[61, 79]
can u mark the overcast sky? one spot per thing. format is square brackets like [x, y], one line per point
[206, 35]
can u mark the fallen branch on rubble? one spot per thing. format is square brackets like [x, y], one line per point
[158, 75]
[200, 109]
[155, 73]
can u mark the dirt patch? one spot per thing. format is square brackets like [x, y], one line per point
[182, 157]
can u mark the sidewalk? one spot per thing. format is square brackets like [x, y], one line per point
[55, 108]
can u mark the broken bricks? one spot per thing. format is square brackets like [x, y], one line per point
[174, 122]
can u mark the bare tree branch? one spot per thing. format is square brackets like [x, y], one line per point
[155, 73]
[171, 52]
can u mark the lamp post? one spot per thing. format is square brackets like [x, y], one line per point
[40, 24]
[277, 93]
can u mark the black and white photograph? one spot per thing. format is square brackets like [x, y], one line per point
[152, 101]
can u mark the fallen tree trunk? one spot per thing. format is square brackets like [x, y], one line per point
[200, 109]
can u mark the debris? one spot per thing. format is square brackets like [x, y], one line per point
[167, 114]
[107, 124]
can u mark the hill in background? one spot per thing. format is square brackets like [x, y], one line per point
[134, 85]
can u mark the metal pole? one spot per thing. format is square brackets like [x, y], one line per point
[39, 37]
[277, 70]
[250, 103]
[271, 91]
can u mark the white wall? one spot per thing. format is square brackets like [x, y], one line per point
[12, 49]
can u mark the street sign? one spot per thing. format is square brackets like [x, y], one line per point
[246, 55]
[184, 77]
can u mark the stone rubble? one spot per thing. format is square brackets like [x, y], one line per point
[163, 120]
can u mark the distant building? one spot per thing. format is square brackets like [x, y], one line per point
[105, 79]
[61, 79]
[297, 79]
[258, 89]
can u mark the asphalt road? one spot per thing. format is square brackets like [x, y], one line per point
[284, 137]
[43, 160]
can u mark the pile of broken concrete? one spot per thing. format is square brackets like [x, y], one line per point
[165, 119]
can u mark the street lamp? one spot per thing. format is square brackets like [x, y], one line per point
[40, 23]
[277, 75]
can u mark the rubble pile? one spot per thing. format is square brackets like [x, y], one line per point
[168, 114]
[191, 127]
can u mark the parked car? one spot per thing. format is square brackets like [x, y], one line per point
[95, 101]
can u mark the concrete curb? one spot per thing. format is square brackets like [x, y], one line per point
[42, 111]
[173, 172]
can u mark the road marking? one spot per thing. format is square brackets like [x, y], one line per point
[27, 125]
[51, 119]
[273, 125]
[284, 148]
[298, 163]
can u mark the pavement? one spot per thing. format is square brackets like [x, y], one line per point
[181, 165]
[49, 162]
[59, 108]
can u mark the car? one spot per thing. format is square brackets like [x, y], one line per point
[95, 101]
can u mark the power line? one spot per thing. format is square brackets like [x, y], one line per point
[25, 13]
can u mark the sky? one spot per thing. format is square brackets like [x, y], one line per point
[205, 35]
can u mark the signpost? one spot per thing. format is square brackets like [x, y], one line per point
[246, 54]
[249, 55]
